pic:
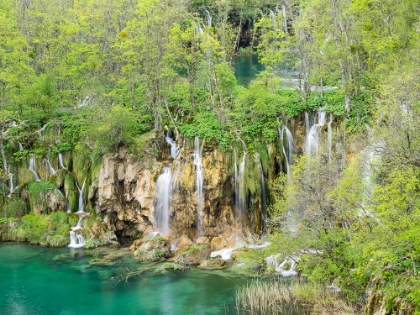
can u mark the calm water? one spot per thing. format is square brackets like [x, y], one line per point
[39, 280]
[246, 68]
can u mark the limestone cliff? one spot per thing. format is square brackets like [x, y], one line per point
[124, 192]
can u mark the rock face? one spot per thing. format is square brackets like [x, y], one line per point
[124, 192]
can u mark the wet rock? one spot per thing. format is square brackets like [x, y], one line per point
[217, 243]
[154, 249]
[183, 243]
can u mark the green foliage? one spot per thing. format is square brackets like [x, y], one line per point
[15, 208]
[195, 248]
[119, 126]
[172, 266]
[43, 229]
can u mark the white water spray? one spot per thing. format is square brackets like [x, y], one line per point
[199, 184]
[172, 144]
[330, 139]
[81, 208]
[207, 17]
[163, 200]
[76, 238]
[32, 168]
[313, 137]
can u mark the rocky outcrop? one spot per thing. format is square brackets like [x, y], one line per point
[124, 192]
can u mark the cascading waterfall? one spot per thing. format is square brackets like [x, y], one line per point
[207, 17]
[41, 132]
[179, 168]
[81, 208]
[199, 184]
[11, 186]
[32, 168]
[330, 139]
[60, 160]
[273, 19]
[163, 200]
[286, 31]
[237, 212]
[50, 168]
[264, 200]
[60, 155]
[199, 30]
[174, 148]
[20, 146]
[76, 239]
[307, 122]
[241, 206]
[288, 154]
[313, 136]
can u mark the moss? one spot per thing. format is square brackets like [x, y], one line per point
[38, 200]
[58, 178]
[25, 176]
[71, 192]
[15, 207]
[42, 229]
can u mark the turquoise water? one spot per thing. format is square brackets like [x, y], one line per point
[38, 280]
[246, 68]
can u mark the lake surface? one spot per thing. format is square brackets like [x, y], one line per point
[246, 68]
[38, 280]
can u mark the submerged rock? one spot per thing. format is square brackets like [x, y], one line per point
[154, 249]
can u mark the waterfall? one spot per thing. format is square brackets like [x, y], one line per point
[60, 160]
[263, 200]
[32, 168]
[273, 19]
[174, 148]
[60, 155]
[179, 168]
[50, 168]
[199, 184]
[11, 186]
[20, 146]
[207, 17]
[241, 192]
[41, 132]
[81, 208]
[199, 30]
[288, 154]
[286, 31]
[280, 267]
[237, 212]
[163, 200]
[76, 239]
[307, 122]
[312, 139]
[330, 139]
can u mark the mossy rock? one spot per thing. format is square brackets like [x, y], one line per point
[25, 176]
[194, 255]
[155, 249]
[58, 178]
[15, 207]
[48, 230]
[71, 192]
[45, 198]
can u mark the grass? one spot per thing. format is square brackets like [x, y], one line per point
[280, 295]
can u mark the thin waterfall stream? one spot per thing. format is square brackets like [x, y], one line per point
[163, 200]
[199, 184]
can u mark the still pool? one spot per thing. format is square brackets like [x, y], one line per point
[38, 280]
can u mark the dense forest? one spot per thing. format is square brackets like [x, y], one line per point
[106, 75]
